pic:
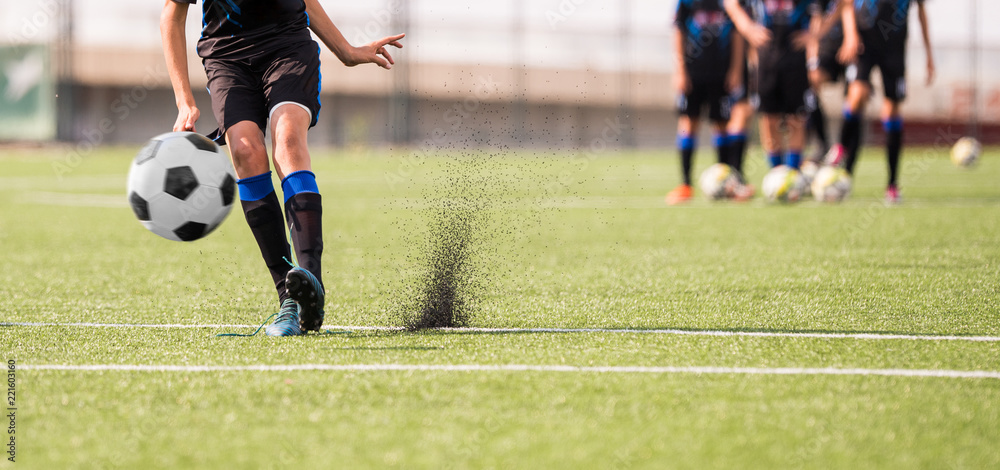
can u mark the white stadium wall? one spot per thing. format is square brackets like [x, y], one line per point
[558, 71]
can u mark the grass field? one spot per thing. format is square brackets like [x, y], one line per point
[805, 336]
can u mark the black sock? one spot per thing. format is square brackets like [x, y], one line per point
[850, 138]
[737, 149]
[305, 223]
[817, 124]
[894, 147]
[686, 145]
[268, 227]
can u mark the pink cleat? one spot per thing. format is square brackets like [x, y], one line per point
[892, 197]
[835, 157]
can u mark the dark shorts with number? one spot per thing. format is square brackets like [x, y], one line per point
[890, 58]
[705, 93]
[783, 82]
[247, 89]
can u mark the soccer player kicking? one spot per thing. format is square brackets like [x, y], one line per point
[263, 70]
[882, 26]
[709, 68]
[779, 32]
[828, 58]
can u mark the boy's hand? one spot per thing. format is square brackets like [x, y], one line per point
[186, 117]
[734, 80]
[682, 83]
[758, 36]
[375, 52]
[802, 41]
[849, 50]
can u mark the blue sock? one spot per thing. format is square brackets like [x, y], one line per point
[303, 181]
[893, 125]
[255, 188]
[737, 137]
[721, 143]
[718, 140]
[685, 142]
[794, 159]
[774, 159]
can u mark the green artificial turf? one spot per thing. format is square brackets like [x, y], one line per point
[565, 241]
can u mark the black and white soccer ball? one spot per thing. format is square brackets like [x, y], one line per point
[181, 186]
[831, 184]
[783, 184]
[719, 181]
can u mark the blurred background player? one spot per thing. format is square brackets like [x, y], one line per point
[743, 109]
[263, 67]
[883, 30]
[828, 58]
[709, 68]
[779, 33]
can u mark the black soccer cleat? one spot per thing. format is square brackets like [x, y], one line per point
[306, 291]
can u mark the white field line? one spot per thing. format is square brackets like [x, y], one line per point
[951, 374]
[722, 333]
[128, 325]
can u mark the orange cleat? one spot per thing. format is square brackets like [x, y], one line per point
[679, 195]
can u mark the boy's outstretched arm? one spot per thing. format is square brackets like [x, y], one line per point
[925, 29]
[172, 20]
[821, 25]
[754, 33]
[373, 52]
[851, 46]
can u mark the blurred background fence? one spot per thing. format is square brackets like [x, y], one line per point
[539, 73]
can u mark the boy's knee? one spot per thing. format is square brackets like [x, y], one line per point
[245, 151]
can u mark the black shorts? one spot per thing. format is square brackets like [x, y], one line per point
[783, 82]
[249, 89]
[702, 93]
[890, 60]
[828, 62]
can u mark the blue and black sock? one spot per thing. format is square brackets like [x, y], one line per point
[686, 144]
[774, 159]
[737, 150]
[304, 211]
[850, 138]
[794, 159]
[894, 146]
[721, 148]
[263, 214]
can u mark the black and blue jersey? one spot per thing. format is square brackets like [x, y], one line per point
[885, 19]
[234, 29]
[784, 18]
[708, 35]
